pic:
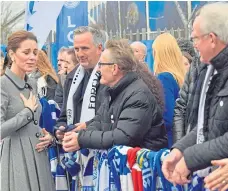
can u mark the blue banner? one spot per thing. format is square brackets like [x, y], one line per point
[133, 15]
[72, 15]
[156, 12]
[54, 55]
[149, 57]
[3, 49]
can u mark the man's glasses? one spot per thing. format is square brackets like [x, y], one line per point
[196, 38]
[103, 63]
[61, 60]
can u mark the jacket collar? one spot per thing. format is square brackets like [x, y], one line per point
[122, 84]
[220, 62]
[18, 82]
[71, 74]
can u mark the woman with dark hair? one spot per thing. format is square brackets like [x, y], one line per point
[24, 169]
[187, 60]
[152, 82]
[188, 52]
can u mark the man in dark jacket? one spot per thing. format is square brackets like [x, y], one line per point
[209, 138]
[129, 114]
[180, 120]
[180, 127]
[62, 76]
[88, 48]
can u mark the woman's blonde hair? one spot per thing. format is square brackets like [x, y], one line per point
[45, 67]
[168, 57]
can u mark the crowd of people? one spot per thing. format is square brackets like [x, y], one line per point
[108, 96]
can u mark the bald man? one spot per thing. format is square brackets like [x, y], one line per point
[139, 50]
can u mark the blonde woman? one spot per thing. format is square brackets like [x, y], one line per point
[169, 68]
[45, 76]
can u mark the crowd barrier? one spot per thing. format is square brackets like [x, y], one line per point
[120, 168]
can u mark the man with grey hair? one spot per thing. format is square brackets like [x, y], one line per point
[140, 50]
[62, 73]
[82, 88]
[129, 114]
[68, 61]
[61, 60]
[208, 113]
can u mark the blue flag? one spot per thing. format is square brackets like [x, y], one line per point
[72, 15]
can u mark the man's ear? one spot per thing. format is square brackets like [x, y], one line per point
[100, 47]
[144, 57]
[213, 39]
[115, 69]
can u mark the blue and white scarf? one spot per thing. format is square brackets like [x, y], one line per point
[77, 162]
[89, 98]
[49, 116]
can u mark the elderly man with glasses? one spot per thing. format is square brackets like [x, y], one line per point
[209, 104]
[129, 114]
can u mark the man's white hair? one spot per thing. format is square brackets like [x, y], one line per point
[215, 19]
[140, 44]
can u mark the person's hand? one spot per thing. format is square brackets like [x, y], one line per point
[218, 179]
[30, 102]
[181, 173]
[46, 140]
[170, 162]
[59, 133]
[70, 142]
[79, 126]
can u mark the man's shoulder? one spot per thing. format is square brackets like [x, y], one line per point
[102, 90]
[71, 74]
[138, 87]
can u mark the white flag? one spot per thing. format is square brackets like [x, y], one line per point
[43, 18]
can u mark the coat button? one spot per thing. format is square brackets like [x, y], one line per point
[38, 134]
[221, 103]
[29, 118]
[35, 122]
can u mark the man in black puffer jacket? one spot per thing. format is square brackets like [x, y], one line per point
[180, 127]
[129, 114]
[180, 120]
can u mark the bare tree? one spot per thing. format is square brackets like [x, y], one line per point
[8, 19]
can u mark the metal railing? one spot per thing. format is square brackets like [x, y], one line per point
[142, 34]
